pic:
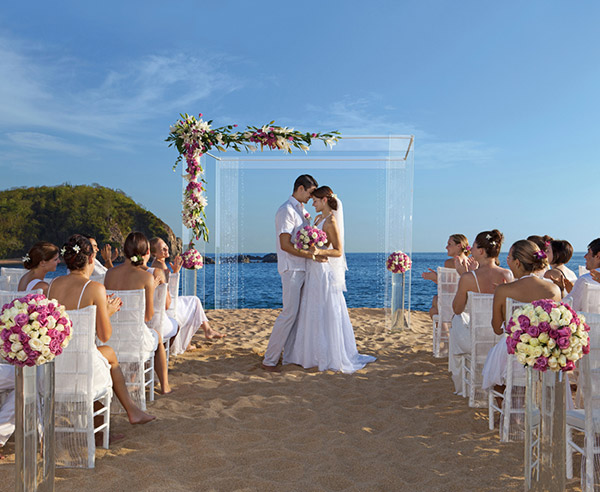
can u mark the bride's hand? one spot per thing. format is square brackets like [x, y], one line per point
[313, 250]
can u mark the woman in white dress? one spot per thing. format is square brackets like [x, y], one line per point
[76, 291]
[323, 336]
[131, 275]
[190, 314]
[559, 253]
[481, 275]
[527, 263]
[41, 259]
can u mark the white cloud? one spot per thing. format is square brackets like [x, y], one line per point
[42, 141]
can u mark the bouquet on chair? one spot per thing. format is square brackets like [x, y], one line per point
[398, 262]
[33, 330]
[547, 335]
[309, 236]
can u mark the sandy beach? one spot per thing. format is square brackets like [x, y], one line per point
[229, 425]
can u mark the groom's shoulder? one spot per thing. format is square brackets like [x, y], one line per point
[285, 206]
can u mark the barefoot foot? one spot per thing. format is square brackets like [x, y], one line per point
[211, 334]
[270, 368]
[140, 417]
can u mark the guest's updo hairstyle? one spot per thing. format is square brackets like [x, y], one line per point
[531, 257]
[541, 241]
[76, 252]
[490, 242]
[562, 251]
[153, 243]
[40, 251]
[462, 240]
[326, 192]
[136, 246]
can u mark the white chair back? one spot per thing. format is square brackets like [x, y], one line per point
[5, 282]
[583, 270]
[174, 291]
[14, 276]
[483, 338]
[447, 284]
[590, 298]
[160, 312]
[75, 395]
[98, 278]
[127, 342]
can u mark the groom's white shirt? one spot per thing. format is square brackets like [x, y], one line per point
[288, 219]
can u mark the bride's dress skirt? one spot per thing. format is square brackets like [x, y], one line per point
[190, 315]
[323, 336]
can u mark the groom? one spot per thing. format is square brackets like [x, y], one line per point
[291, 265]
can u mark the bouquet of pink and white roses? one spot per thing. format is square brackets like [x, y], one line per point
[310, 236]
[192, 259]
[398, 262]
[33, 330]
[547, 335]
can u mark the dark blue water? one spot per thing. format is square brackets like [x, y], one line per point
[259, 284]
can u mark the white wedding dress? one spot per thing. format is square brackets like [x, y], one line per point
[323, 336]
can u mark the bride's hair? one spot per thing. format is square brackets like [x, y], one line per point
[41, 251]
[326, 192]
[531, 257]
[77, 250]
[136, 244]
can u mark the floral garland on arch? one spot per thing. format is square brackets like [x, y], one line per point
[194, 137]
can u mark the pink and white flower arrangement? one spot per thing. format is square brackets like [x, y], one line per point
[398, 262]
[194, 137]
[33, 330]
[547, 335]
[192, 259]
[309, 236]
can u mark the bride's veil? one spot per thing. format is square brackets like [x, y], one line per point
[339, 265]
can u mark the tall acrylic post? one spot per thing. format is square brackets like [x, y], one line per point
[34, 428]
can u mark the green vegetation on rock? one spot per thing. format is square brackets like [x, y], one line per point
[53, 213]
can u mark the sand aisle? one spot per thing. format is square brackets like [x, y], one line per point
[393, 426]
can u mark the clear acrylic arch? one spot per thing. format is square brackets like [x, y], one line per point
[373, 175]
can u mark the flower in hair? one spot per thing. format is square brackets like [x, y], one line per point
[540, 255]
[26, 258]
[493, 243]
[136, 258]
[467, 248]
[333, 195]
[63, 250]
[488, 237]
[76, 248]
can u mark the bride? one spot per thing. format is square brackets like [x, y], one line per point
[323, 336]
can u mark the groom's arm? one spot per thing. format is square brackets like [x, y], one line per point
[285, 240]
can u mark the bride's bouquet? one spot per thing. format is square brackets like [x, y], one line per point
[309, 236]
[33, 330]
[547, 335]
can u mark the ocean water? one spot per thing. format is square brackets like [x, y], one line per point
[259, 284]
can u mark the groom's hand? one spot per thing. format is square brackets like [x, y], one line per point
[321, 259]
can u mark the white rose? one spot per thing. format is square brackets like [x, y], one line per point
[36, 344]
[43, 330]
[551, 343]
[544, 337]
[45, 339]
[555, 316]
[21, 355]
[305, 246]
[16, 346]
[521, 358]
[13, 337]
[46, 351]
[314, 235]
[543, 317]
[51, 322]
[552, 362]
[36, 325]
[537, 351]
[562, 360]
[525, 337]
[26, 328]
[41, 360]
[534, 342]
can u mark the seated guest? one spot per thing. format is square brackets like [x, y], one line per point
[527, 263]
[76, 291]
[107, 255]
[541, 242]
[7, 410]
[190, 313]
[458, 251]
[592, 262]
[559, 253]
[131, 275]
[41, 259]
[483, 275]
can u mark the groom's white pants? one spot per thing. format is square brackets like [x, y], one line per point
[291, 284]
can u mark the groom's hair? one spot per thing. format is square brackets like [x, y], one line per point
[305, 180]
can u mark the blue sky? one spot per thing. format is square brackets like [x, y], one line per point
[502, 98]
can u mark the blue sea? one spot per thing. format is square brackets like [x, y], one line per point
[259, 284]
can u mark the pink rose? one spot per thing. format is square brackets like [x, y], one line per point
[563, 342]
[524, 321]
[569, 366]
[533, 331]
[21, 319]
[544, 327]
[54, 345]
[541, 364]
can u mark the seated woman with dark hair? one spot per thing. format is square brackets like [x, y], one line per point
[41, 259]
[559, 253]
[76, 291]
[482, 275]
[190, 313]
[527, 263]
[132, 275]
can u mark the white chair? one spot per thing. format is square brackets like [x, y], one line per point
[75, 396]
[13, 275]
[98, 278]
[483, 338]
[587, 420]
[126, 341]
[447, 284]
[512, 412]
[8, 295]
[590, 298]
[159, 320]
[174, 291]
[583, 270]
[5, 283]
